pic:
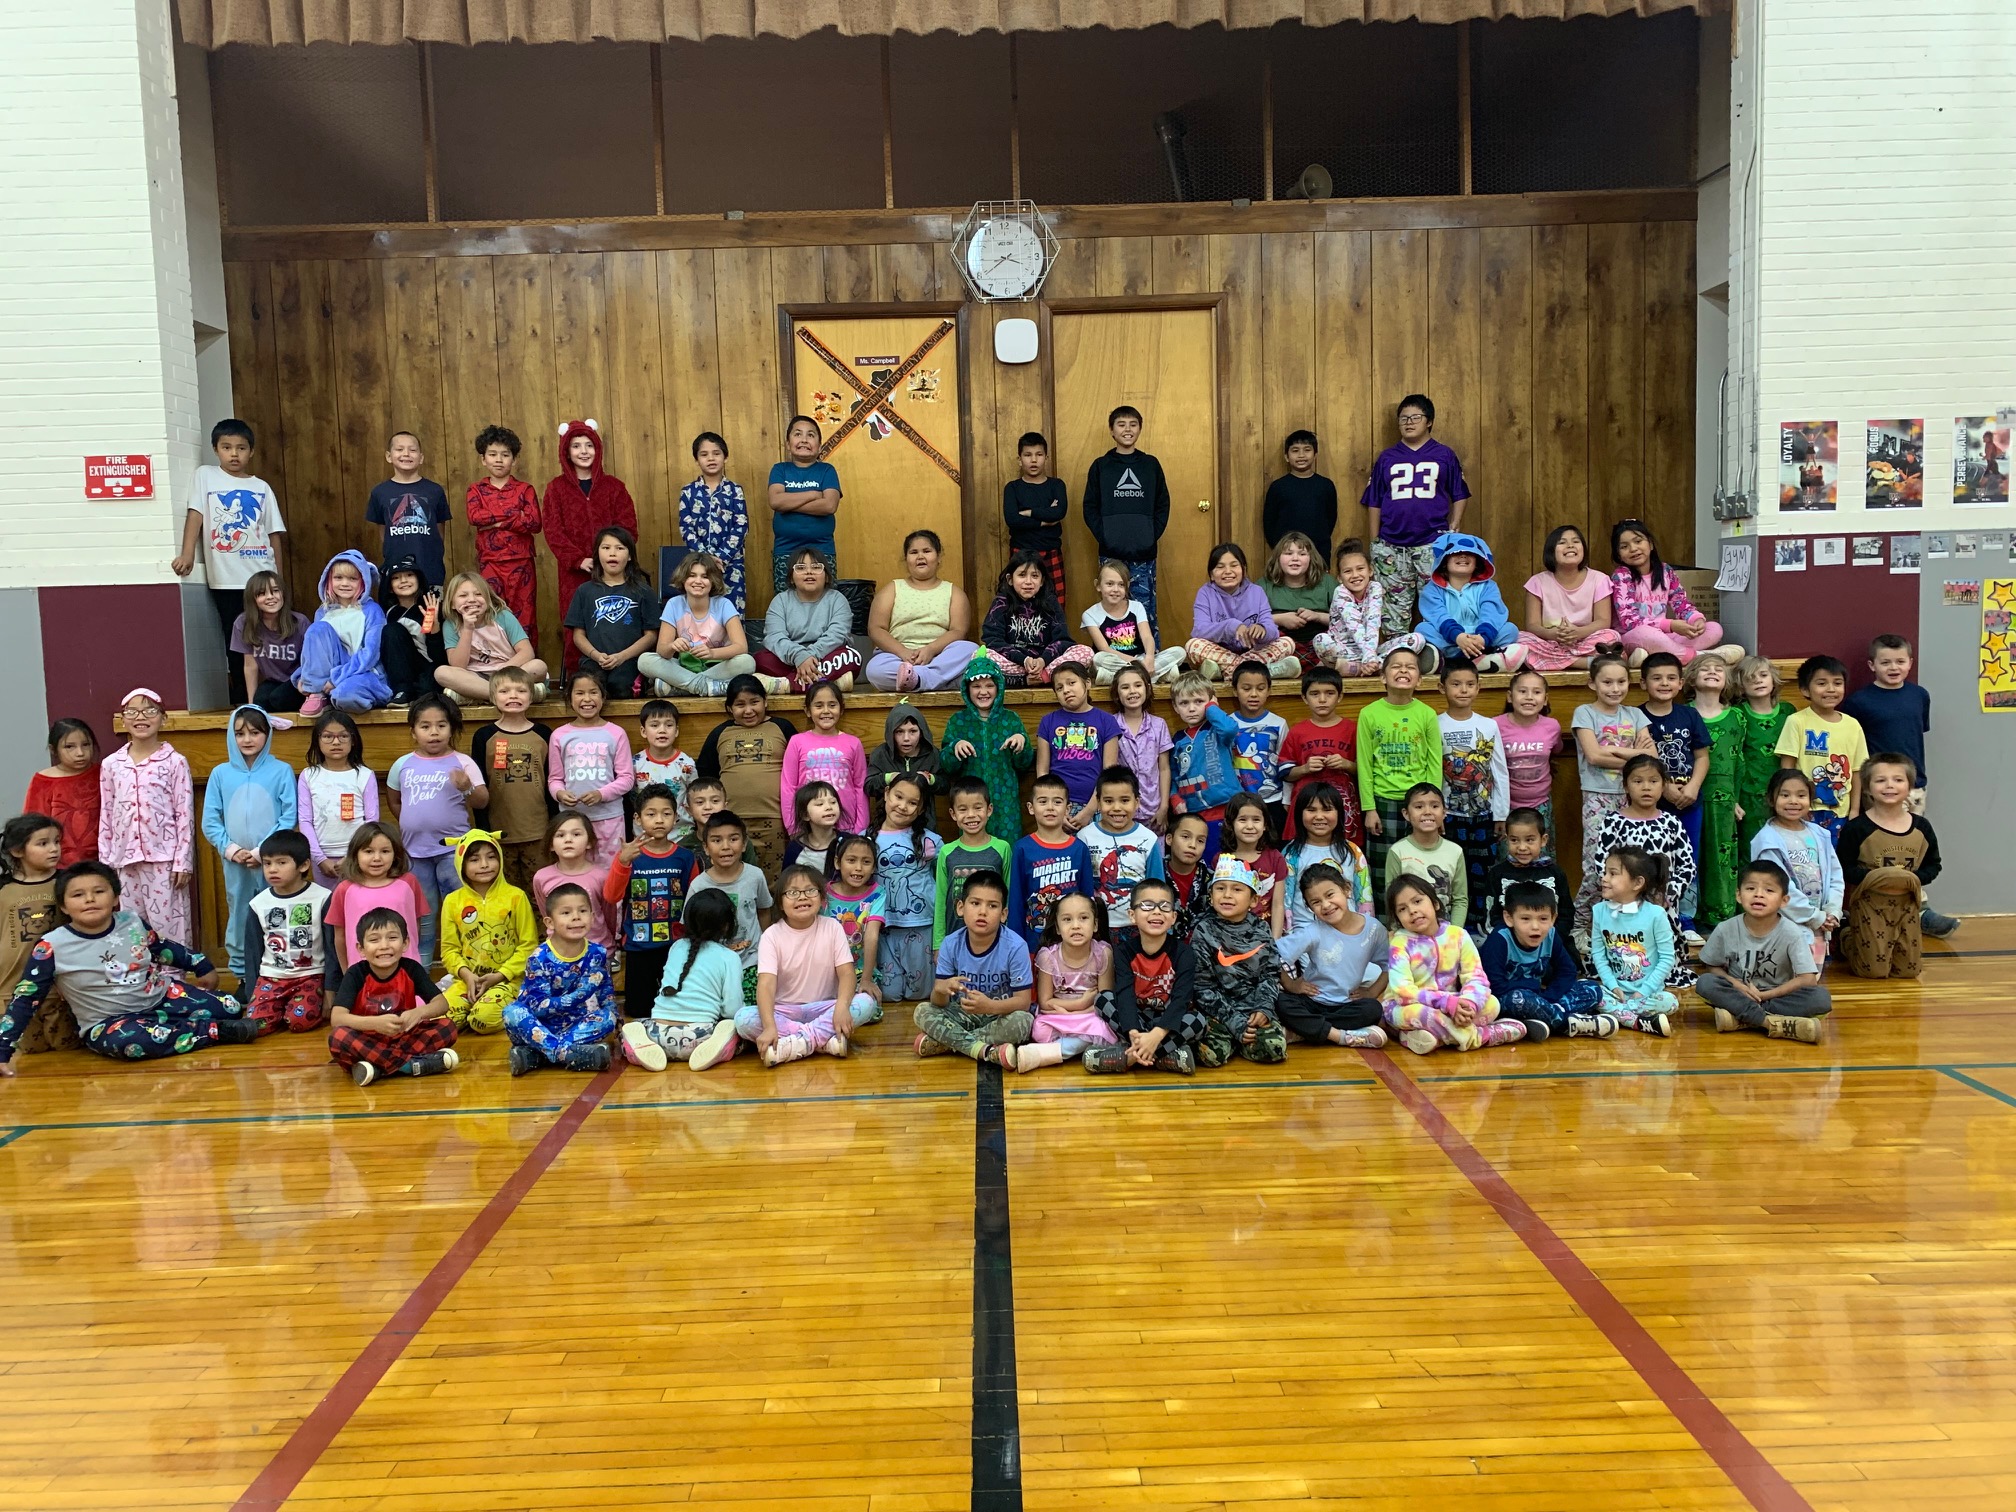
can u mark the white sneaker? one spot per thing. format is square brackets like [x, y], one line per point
[640, 1049]
[721, 1044]
[450, 1060]
[789, 1047]
[835, 1047]
[1372, 1038]
[1691, 939]
[1420, 1041]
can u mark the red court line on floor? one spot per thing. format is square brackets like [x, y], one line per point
[295, 1458]
[1752, 1474]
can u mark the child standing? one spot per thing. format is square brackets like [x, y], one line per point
[571, 839]
[614, 617]
[1760, 972]
[1034, 505]
[1631, 943]
[1144, 745]
[376, 875]
[1825, 744]
[580, 500]
[1122, 848]
[1258, 736]
[1532, 974]
[1155, 1017]
[341, 651]
[984, 738]
[1399, 748]
[1238, 973]
[1528, 859]
[389, 1019]
[487, 935]
[268, 636]
[1415, 494]
[589, 767]
[503, 510]
[971, 850]
[113, 972]
[31, 849]
[511, 753]
[647, 885]
[746, 753]
[1299, 593]
[714, 515]
[1424, 852]
[1704, 682]
[805, 998]
[1024, 629]
[432, 788]
[1076, 741]
[1301, 501]
[1050, 862]
[1462, 613]
[1680, 736]
[907, 748]
[661, 762]
[693, 1014]
[1567, 607]
[1118, 629]
[1126, 507]
[291, 970]
[146, 828]
[1249, 839]
[1643, 825]
[1436, 989]
[410, 509]
[1074, 989]
[238, 521]
[1320, 841]
[826, 753]
[1476, 783]
[1805, 853]
[1355, 643]
[1531, 738]
[1203, 757]
[67, 790]
[565, 1010]
[1608, 733]
[906, 860]
[1231, 625]
[245, 800]
[413, 646]
[854, 898]
[985, 980]
[1896, 715]
[481, 638]
[1761, 718]
[1653, 612]
[1888, 856]
[1333, 967]
[1324, 749]
[804, 498]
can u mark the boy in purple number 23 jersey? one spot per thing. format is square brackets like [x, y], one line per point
[1416, 492]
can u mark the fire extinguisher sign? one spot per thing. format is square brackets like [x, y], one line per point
[122, 477]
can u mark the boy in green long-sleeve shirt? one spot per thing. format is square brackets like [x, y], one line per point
[971, 850]
[987, 739]
[1399, 745]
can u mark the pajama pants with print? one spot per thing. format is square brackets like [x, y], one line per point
[1141, 586]
[1628, 1010]
[766, 843]
[150, 890]
[1401, 570]
[1483, 1028]
[184, 1020]
[1478, 838]
[1528, 1003]
[1277, 656]
[522, 860]
[556, 1039]
[1015, 675]
[813, 1020]
[677, 1040]
[971, 1034]
[486, 1014]
[287, 1003]
[1223, 1041]
[1802, 1002]
[1392, 826]
[392, 1054]
[517, 585]
[1594, 807]
[1190, 1028]
[906, 966]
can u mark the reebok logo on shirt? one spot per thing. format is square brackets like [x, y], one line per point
[1128, 486]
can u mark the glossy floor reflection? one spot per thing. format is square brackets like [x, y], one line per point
[1254, 1289]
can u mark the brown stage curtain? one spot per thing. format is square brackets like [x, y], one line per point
[213, 23]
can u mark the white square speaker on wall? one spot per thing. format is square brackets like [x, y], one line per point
[1015, 341]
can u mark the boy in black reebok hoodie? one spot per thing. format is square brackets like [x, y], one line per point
[1127, 507]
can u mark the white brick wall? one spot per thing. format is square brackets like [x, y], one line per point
[96, 348]
[1876, 274]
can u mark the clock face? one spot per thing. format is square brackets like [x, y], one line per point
[1005, 257]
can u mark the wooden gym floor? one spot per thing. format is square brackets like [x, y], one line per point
[1710, 1272]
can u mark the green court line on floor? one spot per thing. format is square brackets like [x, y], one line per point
[692, 1103]
[1185, 1084]
[1979, 1086]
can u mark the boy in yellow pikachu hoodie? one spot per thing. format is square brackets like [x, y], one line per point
[488, 933]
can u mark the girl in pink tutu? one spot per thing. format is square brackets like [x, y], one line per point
[1568, 608]
[1074, 988]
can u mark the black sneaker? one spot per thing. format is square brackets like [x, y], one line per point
[1656, 1024]
[236, 1031]
[1936, 924]
[588, 1058]
[1430, 660]
[1178, 1058]
[1536, 1030]
[1103, 1060]
[440, 1063]
[525, 1059]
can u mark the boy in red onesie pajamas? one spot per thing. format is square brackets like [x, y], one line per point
[504, 512]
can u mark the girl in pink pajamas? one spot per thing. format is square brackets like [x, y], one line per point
[1652, 610]
[147, 820]
[1436, 990]
[588, 769]
[827, 753]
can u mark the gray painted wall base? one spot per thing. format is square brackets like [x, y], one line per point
[23, 737]
[1971, 800]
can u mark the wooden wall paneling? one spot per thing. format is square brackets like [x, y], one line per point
[255, 381]
[692, 369]
[1616, 283]
[465, 289]
[1124, 265]
[522, 288]
[312, 457]
[850, 276]
[1244, 451]
[1075, 272]
[1345, 403]
[636, 385]
[1399, 328]
[581, 381]
[413, 389]
[1182, 264]
[798, 275]
[364, 418]
[909, 270]
[1669, 392]
[1560, 378]
[1288, 340]
[1455, 341]
[745, 316]
[990, 459]
[1502, 474]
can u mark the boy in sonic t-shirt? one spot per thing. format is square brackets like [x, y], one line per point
[236, 520]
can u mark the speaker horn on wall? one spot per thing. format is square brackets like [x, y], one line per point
[1313, 183]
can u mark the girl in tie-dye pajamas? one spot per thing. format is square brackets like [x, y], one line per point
[1436, 989]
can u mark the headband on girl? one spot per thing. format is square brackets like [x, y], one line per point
[147, 693]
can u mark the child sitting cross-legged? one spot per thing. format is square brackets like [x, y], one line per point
[111, 969]
[291, 970]
[984, 979]
[390, 1019]
[1462, 612]
[1631, 942]
[1532, 972]
[1333, 967]
[693, 1014]
[1238, 972]
[1074, 988]
[1155, 1017]
[1760, 972]
[805, 998]
[488, 934]
[1436, 989]
[566, 1009]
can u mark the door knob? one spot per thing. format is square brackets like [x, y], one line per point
[1204, 506]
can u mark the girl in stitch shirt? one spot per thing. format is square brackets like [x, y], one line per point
[827, 753]
[1436, 990]
[589, 770]
[147, 820]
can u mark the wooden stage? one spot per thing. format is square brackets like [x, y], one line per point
[1709, 1272]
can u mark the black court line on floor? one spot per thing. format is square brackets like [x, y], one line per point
[997, 1422]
